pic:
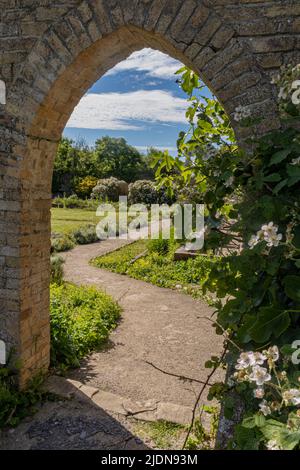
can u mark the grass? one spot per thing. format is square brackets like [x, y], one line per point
[118, 261]
[67, 220]
[159, 269]
[163, 434]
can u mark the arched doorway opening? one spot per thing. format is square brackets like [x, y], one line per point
[61, 67]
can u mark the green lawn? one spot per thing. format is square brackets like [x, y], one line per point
[68, 220]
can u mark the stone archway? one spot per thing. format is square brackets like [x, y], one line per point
[51, 55]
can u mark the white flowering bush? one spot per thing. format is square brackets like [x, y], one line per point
[257, 286]
[146, 192]
[109, 189]
[276, 423]
[288, 84]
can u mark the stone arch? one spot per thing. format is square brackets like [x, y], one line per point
[63, 62]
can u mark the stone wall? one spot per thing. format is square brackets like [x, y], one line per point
[51, 52]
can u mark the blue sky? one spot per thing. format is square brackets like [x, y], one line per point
[138, 99]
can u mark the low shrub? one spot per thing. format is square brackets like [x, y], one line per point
[85, 186]
[74, 202]
[81, 319]
[57, 270]
[85, 235]
[110, 189]
[145, 192]
[61, 242]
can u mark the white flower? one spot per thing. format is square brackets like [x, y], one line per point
[264, 408]
[229, 182]
[241, 112]
[259, 392]
[259, 358]
[269, 229]
[296, 161]
[272, 445]
[292, 397]
[249, 359]
[245, 360]
[254, 240]
[273, 353]
[273, 240]
[259, 375]
[268, 233]
[216, 173]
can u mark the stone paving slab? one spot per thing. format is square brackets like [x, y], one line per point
[150, 410]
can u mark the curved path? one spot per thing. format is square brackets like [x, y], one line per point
[158, 325]
[117, 386]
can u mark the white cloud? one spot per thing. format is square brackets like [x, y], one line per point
[116, 111]
[153, 63]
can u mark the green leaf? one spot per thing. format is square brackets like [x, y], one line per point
[296, 239]
[246, 438]
[259, 420]
[294, 174]
[249, 422]
[273, 178]
[270, 321]
[285, 438]
[280, 185]
[292, 287]
[279, 156]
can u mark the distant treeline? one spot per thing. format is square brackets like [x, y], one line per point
[78, 166]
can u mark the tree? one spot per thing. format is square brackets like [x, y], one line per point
[70, 165]
[114, 157]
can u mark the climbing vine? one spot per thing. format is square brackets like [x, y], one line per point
[256, 194]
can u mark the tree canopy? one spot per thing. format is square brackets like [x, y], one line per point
[75, 161]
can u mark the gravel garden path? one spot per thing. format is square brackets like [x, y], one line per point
[117, 385]
[158, 325]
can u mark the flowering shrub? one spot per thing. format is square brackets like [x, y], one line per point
[109, 189]
[258, 287]
[85, 186]
[288, 83]
[276, 424]
[145, 192]
[142, 192]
